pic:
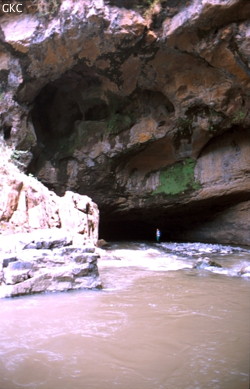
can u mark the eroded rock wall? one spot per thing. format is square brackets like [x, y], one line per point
[145, 108]
[27, 205]
[229, 226]
[47, 242]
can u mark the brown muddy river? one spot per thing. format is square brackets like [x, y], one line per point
[158, 323]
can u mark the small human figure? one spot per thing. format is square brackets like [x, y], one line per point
[158, 235]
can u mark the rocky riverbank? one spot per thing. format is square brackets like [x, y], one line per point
[50, 260]
[47, 242]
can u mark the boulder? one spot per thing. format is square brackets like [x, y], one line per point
[245, 271]
[204, 263]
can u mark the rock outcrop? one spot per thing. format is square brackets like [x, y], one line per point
[143, 106]
[47, 242]
[45, 261]
[229, 226]
[27, 205]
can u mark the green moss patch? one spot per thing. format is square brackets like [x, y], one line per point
[178, 178]
[118, 123]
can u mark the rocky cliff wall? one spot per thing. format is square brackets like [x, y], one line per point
[143, 106]
[27, 205]
[47, 242]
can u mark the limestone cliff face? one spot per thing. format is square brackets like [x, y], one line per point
[144, 108]
[27, 205]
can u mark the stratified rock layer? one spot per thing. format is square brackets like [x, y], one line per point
[45, 261]
[47, 242]
[143, 108]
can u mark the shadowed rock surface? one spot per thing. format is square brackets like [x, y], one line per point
[143, 108]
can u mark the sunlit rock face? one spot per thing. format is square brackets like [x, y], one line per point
[27, 205]
[143, 108]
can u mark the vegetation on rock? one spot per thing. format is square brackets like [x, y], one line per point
[178, 178]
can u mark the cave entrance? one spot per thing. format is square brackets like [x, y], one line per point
[141, 225]
[125, 230]
[176, 223]
[143, 228]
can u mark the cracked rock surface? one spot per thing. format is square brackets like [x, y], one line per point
[46, 261]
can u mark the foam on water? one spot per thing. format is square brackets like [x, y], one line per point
[171, 256]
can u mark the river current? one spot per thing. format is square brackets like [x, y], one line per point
[169, 316]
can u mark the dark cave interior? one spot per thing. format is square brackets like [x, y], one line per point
[135, 230]
[139, 230]
[173, 223]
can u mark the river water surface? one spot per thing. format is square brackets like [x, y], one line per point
[158, 323]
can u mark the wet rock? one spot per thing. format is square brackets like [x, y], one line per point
[245, 271]
[102, 243]
[205, 262]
